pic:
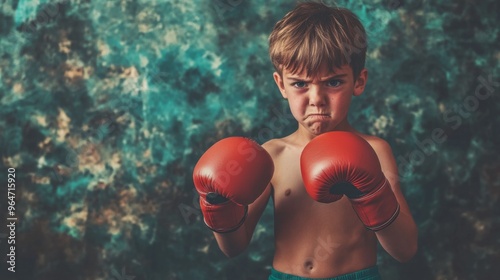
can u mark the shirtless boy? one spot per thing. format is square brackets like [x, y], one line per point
[335, 190]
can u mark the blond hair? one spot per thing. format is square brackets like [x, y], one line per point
[313, 34]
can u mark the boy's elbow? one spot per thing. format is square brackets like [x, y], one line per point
[411, 247]
[232, 253]
[232, 244]
[233, 249]
[408, 254]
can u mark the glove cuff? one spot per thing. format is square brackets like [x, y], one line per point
[378, 209]
[224, 217]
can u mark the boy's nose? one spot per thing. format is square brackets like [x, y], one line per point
[317, 97]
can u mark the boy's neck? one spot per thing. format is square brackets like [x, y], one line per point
[302, 136]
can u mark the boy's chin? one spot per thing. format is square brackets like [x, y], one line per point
[317, 129]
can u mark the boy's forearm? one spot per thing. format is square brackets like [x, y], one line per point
[400, 238]
[233, 243]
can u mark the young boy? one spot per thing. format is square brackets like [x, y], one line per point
[325, 227]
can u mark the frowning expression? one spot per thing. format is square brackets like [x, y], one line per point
[321, 103]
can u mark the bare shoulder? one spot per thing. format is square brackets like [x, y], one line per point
[274, 146]
[380, 146]
[384, 153]
[385, 157]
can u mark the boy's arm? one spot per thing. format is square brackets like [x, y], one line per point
[341, 163]
[233, 243]
[400, 238]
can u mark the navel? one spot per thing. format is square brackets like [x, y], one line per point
[308, 265]
[288, 192]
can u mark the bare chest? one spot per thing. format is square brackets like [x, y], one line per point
[294, 208]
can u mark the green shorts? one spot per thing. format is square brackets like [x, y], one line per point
[370, 273]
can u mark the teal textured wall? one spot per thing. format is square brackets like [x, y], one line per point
[105, 107]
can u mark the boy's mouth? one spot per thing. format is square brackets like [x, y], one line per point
[317, 116]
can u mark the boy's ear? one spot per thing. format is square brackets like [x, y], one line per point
[279, 82]
[360, 83]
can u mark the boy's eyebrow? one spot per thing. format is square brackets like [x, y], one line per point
[321, 80]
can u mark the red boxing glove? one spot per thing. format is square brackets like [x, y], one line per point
[229, 176]
[337, 163]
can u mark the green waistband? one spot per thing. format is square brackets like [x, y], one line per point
[370, 273]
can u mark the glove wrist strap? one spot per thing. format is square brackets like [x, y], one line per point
[377, 210]
[225, 217]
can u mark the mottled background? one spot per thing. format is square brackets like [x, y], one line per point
[105, 107]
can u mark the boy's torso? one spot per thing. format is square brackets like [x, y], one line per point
[314, 239]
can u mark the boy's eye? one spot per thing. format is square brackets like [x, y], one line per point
[299, 84]
[334, 83]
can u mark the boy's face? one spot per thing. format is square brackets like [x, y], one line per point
[321, 104]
